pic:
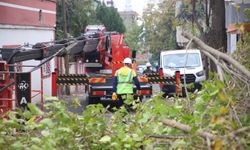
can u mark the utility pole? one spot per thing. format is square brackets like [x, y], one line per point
[66, 57]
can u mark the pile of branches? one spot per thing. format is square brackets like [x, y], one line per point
[229, 70]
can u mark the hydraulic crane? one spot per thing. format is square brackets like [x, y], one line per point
[101, 52]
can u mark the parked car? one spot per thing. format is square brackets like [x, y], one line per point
[188, 62]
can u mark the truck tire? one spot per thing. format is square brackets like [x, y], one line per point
[93, 100]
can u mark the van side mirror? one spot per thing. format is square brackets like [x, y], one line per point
[133, 54]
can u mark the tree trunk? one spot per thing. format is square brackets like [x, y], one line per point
[216, 35]
[66, 57]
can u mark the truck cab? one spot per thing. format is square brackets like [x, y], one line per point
[188, 62]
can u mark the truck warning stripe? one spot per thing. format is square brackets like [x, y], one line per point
[97, 80]
[142, 79]
[72, 75]
[161, 80]
[71, 83]
[72, 79]
[152, 74]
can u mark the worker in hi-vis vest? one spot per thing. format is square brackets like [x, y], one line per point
[124, 80]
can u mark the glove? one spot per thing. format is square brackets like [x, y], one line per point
[114, 96]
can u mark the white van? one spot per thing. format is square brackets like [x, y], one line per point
[175, 60]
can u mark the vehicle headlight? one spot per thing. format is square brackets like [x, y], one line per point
[201, 73]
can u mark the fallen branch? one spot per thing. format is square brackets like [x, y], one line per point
[238, 131]
[219, 54]
[218, 65]
[234, 73]
[186, 128]
[168, 136]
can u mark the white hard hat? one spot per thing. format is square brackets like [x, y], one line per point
[148, 64]
[127, 61]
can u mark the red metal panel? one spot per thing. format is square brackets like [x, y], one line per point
[54, 89]
[119, 52]
[144, 92]
[178, 81]
[161, 75]
[5, 95]
[98, 93]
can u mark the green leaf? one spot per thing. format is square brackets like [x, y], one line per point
[214, 92]
[17, 145]
[136, 137]
[34, 110]
[51, 98]
[45, 133]
[47, 122]
[127, 145]
[75, 102]
[27, 114]
[64, 129]
[35, 140]
[1, 141]
[194, 129]
[31, 121]
[105, 139]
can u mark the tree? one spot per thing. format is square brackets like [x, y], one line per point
[159, 25]
[133, 37]
[110, 18]
[209, 18]
[79, 14]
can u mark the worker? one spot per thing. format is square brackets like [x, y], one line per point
[148, 69]
[123, 83]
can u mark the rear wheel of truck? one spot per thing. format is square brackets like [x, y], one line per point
[93, 100]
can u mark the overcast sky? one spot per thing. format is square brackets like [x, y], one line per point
[136, 5]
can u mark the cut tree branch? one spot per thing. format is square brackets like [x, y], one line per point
[244, 129]
[186, 128]
[218, 65]
[217, 53]
[168, 136]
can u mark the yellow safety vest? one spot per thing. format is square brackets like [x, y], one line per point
[125, 81]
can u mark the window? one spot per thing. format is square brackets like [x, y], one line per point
[179, 60]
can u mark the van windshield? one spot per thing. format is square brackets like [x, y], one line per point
[179, 60]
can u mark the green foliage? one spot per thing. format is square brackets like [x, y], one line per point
[159, 23]
[80, 13]
[110, 18]
[242, 53]
[246, 13]
[97, 128]
[133, 38]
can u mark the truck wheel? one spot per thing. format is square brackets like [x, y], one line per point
[94, 100]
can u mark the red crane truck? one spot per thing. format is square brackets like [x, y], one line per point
[101, 52]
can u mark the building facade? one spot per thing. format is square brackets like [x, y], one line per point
[129, 18]
[235, 16]
[28, 22]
